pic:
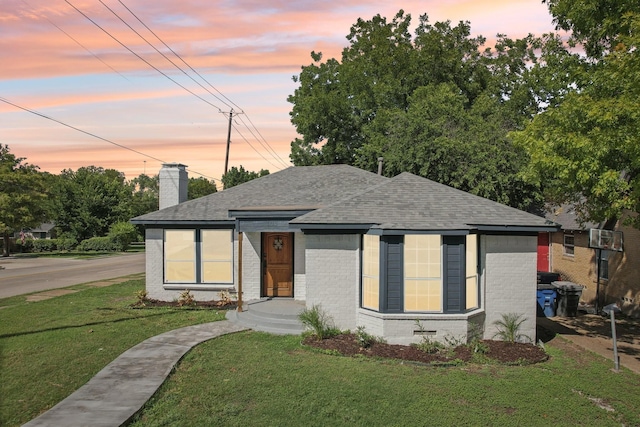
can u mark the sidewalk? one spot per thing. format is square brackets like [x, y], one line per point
[593, 332]
[118, 391]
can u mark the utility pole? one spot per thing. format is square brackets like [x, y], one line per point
[226, 160]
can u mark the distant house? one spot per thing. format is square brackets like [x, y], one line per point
[570, 255]
[43, 231]
[372, 251]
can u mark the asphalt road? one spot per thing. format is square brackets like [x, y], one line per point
[26, 275]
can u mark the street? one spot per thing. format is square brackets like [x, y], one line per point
[26, 275]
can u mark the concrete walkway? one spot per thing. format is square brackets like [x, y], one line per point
[593, 332]
[118, 391]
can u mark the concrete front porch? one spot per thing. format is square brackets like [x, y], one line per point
[274, 315]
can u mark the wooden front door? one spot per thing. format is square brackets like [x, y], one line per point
[277, 264]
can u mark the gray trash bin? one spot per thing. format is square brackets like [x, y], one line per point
[569, 294]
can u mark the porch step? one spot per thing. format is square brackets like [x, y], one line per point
[275, 316]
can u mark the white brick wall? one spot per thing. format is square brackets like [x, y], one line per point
[251, 269]
[173, 182]
[402, 328]
[509, 279]
[333, 276]
[154, 263]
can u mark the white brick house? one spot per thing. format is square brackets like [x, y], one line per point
[384, 253]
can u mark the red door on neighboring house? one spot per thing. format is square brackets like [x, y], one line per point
[543, 252]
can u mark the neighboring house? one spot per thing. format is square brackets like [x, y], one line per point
[570, 255]
[43, 231]
[372, 251]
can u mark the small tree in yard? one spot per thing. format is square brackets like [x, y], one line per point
[122, 234]
[23, 197]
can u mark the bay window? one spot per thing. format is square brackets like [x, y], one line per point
[371, 272]
[425, 273]
[422, 273]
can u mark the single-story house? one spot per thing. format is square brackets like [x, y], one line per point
[383, 253]
[43, 231]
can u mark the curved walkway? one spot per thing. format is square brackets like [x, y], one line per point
[118, 391]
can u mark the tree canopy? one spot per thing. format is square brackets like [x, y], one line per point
[199, 187]
[434, 104]
[238, 175]
[585, 148]
[88, 201]
[23, 199]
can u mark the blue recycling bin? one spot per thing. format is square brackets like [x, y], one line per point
[546, 296]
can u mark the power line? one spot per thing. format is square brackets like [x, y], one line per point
[93, 135]
[140, 57]
[79, 44]
[266, 147]
[163, 55]
[180, 57]
[254, 148]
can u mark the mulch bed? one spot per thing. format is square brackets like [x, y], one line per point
[500, 351]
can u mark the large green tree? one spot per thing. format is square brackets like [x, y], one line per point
[23, 196]
[199, 187]
[238, 175]
[586, 148]
[145, 194]
[88, 201]
[435, 104]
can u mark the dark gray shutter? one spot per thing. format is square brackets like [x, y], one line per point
[454, 274]
[392, 274]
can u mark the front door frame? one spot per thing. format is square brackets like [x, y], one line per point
[263, 263]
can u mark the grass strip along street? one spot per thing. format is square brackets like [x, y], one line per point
[51, 347]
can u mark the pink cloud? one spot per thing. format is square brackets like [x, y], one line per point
[246, 49]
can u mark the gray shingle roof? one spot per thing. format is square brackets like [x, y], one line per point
[341, 195]
[410, 202]
[566, 216]
[308, 187]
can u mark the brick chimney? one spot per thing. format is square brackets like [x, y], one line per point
[173, 184]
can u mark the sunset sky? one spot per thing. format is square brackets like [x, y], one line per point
[56, 62]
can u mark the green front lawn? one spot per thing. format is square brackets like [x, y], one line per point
[255, 379]
[50, 348]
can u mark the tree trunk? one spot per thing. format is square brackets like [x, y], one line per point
[6, 244]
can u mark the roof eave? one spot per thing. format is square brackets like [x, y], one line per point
[183, 223]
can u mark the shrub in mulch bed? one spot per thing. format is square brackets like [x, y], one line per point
[499, 351]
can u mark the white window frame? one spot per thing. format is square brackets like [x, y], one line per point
[568, 249]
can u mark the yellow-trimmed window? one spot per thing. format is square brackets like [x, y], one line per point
[216, 256]
[472, 271]
[422, 273]
[180, 256]
[371, 272]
